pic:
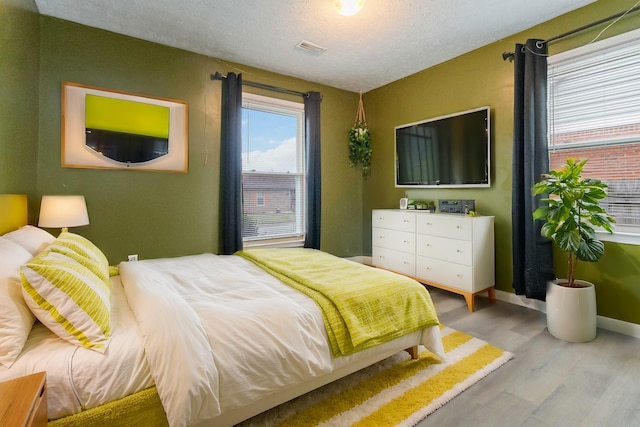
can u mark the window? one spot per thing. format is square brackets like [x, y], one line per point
[594, 114]
[273, 171]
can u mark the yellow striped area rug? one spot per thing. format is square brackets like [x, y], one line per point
[397, 391]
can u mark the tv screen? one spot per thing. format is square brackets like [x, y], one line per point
[447, 151]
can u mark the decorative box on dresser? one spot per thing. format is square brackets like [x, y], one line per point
[449, 251]
[23, 401]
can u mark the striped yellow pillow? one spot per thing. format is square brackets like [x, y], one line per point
[68, 298]
[82, 246]
[96, 267]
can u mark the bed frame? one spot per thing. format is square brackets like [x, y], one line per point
[14, 212]
[145, 408]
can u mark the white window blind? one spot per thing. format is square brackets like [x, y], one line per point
[594, 114]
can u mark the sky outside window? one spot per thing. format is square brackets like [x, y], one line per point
[268, 142]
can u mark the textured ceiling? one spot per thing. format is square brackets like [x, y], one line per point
[386, 41]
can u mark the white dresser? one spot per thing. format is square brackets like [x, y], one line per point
[449, 251]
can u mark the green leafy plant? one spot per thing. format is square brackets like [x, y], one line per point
[360, 148]
[422, 204]
[572, 211]
[360, 142]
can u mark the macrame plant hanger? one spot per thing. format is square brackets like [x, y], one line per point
[360, 142]
[361, 120]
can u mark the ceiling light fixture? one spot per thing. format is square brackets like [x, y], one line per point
[349, 7]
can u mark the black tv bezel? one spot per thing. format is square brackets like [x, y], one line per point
[443, 117]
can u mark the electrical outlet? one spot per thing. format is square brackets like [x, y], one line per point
[133, 257]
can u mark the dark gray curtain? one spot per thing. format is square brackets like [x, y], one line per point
[231, 164]
[532, 253]
[312, 141]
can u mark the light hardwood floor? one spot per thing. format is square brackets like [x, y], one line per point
[549, 382]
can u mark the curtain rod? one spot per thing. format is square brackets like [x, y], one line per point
[218, 76]
[509, 55]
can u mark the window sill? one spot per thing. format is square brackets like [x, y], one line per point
[275, 243]
[618, 237]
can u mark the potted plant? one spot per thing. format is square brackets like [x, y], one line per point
[360, 142]
[571, 215]
[360, 148]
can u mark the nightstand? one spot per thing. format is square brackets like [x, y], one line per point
[23, 401]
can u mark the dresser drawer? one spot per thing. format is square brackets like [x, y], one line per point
[446, 273]
[394, 220]
[394, 260]
[448, 251]
[391, 239]
[456, 251]
[450, 226]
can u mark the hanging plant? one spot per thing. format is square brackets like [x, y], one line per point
[360, 142]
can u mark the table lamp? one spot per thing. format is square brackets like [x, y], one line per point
[63, 212]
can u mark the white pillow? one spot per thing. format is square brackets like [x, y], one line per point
[33, 239]
[69, 299]
[16, 320]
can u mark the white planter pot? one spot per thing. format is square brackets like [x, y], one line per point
[571, 312]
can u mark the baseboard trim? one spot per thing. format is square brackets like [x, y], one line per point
[521, 300]
[361, 259]
[614, 325]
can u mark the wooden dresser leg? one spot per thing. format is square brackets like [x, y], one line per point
[492, 295]
[469, 299]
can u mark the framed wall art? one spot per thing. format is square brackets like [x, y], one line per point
[109, 129]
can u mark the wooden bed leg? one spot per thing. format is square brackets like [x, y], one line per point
[413, 351]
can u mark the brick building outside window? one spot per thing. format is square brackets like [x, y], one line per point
[594, 114]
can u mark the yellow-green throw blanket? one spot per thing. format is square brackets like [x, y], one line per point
[362, 306]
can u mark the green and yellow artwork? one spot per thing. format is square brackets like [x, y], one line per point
[126, 131]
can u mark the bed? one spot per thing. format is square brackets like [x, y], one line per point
[194, 340]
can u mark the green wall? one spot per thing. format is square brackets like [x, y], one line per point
[19, 77]
[482, 78]
[153, 214]
[157, 214]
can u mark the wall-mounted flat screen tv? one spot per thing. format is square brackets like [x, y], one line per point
[445, 152]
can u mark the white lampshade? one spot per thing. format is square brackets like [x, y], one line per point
[63, 212]
[349, 7]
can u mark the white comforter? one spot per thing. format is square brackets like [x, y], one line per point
[231, 333]
[224, 328]
[79, 378]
